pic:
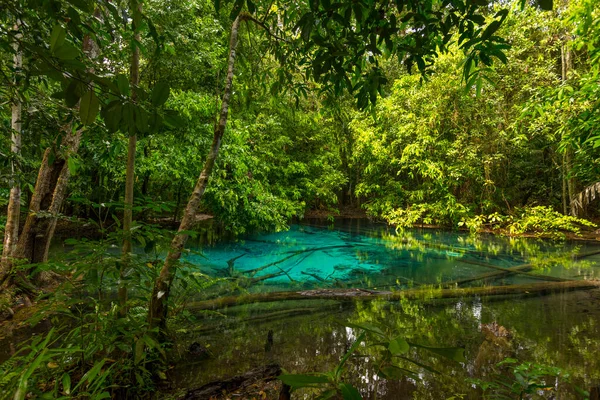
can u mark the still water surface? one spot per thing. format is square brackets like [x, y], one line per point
[560, 330]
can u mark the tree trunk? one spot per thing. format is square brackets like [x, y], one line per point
[568, 188]
[157, 313]
[49, 193]
[134, 79]
[11, 230]
[50, 189]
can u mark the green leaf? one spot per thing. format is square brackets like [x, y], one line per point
[83, 5]
[112, 116]
[394, 372]
[453, 353]
[349, 392]
[123, 84]
[57, 37]
[89, 107]
[129, 118]
[72, 165]
[141, 119]
[66, 51]
[91, 374]
[351, 350]
[66, 383]
[424, 366]
[73, 93]
[173, 120]
[298, 381]
[367, 327]
[490, 30]
[160, 94]
[398, 346]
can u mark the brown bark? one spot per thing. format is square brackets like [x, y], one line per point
[11, 230]
[411, 294]
[130, 171]
[157, 314]
[46, 202]
[50, 189]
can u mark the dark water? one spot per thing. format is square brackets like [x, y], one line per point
[560, 330]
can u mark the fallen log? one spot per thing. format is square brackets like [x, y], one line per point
[213, 390]
[411, 294]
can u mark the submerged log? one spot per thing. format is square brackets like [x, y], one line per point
[507, 271]
[214, 389]
[513, 271]
[411, 294]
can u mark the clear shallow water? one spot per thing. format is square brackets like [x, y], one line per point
[360, 254]
[560, 330]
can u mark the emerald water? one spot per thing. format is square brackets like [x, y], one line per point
[559, 330]
[359, 253]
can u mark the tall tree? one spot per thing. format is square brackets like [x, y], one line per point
[134, 80]
[157, 312]
[11, 230]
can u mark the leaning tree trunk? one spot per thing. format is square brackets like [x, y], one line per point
[157, 313]
[11, 230]
[134, 79]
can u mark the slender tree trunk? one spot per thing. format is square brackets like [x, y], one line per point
[564, 186]
[157, 313]
[134, 79]
[11, 230]
[568, 188]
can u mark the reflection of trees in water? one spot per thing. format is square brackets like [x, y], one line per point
[550, 330]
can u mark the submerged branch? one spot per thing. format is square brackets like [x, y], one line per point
[512, 270]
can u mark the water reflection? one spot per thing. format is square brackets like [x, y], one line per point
[371, 255]
[558, 330]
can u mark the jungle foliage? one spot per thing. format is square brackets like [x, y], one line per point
[461, 113]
